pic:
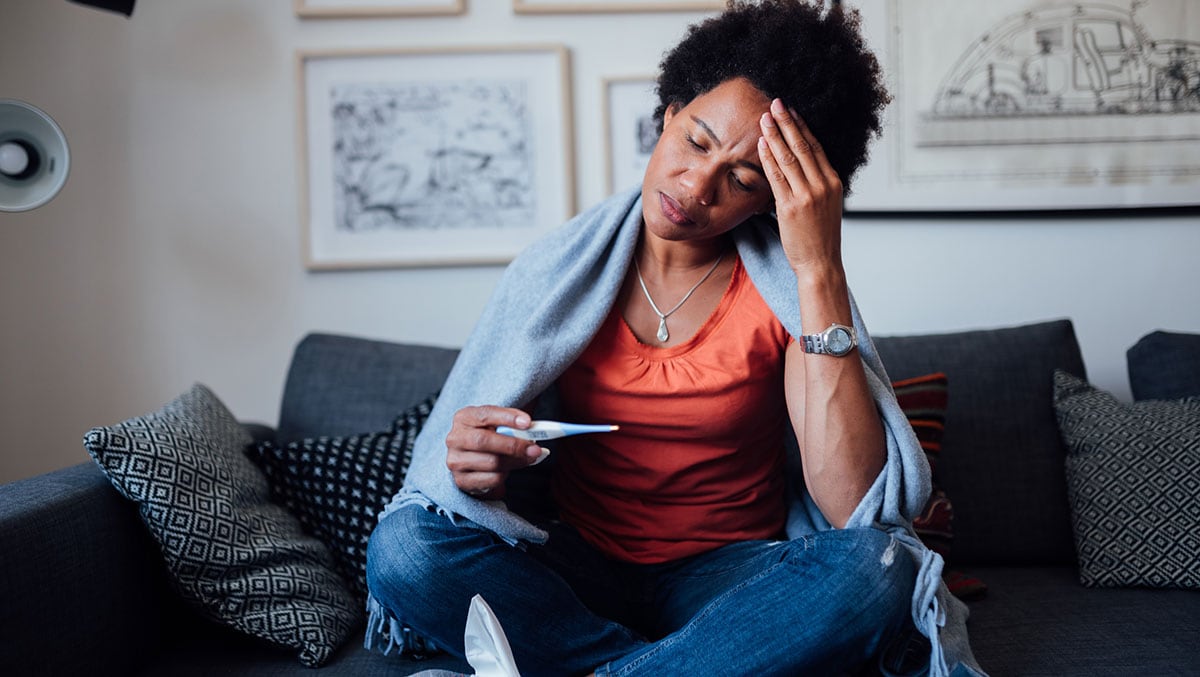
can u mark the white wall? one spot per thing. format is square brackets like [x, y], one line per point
[173, 255]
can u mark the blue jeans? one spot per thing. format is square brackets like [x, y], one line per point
[823, 604]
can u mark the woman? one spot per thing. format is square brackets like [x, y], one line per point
[688, 542]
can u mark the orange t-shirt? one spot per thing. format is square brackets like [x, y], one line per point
[699, 459]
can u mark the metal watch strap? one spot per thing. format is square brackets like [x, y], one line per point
[813, 344]
[817, 344]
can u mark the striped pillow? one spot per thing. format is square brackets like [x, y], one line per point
[923, 400]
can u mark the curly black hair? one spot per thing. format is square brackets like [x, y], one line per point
[815, 60]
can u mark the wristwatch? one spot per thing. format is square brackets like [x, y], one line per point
[838, 340]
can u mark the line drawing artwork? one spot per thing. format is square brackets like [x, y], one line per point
[1027, 104]
[432, 156]
[1073, 58]
[1066, 66]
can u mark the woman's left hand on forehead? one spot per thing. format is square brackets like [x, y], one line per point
[807, 190]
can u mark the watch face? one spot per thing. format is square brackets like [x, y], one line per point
[838, 341]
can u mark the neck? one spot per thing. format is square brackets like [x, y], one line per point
[684, 255]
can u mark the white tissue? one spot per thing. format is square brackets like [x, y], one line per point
[486, 646]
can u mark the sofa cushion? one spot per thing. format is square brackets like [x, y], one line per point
[1164, 366]
[344, 385]
[1003, 458]
[1040, 621]
[337, 486]
[1133, 476]
[216, 652]
[241, 559]
[923, 401]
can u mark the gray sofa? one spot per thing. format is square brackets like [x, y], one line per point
[83, 589]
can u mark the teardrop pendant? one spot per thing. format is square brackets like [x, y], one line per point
[662, 330]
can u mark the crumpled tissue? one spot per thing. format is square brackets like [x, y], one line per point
[486, 646]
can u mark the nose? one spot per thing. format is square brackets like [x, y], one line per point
[700, 181]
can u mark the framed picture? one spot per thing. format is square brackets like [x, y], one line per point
[581, 6]
[362, 8]
[1035, 105]
[629, 129]
[429, 157]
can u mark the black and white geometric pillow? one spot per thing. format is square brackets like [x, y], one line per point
[1133, 480]
[337, 486]
[240, 559]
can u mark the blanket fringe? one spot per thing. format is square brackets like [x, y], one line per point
[933, 616]
[382, 625]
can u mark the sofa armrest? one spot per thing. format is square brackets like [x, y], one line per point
[81, 582]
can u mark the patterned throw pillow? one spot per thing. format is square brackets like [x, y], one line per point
[239, 558]
[923, 400]
[337, 486]
[1133, 481]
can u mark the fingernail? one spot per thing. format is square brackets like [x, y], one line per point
[543, 455]
[777, 105]
[521, 421]
[533, 451]
[794, 114]
[762, 142]
[767, 120]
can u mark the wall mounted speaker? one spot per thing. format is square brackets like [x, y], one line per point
[33, 157]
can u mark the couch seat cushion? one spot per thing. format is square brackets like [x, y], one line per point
[1041, 621]
[205, 650]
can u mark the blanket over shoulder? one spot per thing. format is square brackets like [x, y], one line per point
[549, 304]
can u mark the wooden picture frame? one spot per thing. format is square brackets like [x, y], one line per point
[350, 9]
[609, 6]
[431, 157]
[630, 132]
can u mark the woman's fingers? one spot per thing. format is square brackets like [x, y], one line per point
[793, 145]
[815, 148]
[474, 429]
[780, 187]
[807, 190]
[797, 153]
[779, 162]
[478, 457]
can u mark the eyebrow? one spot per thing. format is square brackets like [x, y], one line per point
[717, 140]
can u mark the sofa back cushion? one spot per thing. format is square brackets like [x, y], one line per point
[344, 385]
[1164, 365]
[1002, 457]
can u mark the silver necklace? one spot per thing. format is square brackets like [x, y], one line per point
[663, 334]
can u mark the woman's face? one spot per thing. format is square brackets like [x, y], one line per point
[704, 177]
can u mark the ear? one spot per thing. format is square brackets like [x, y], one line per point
[669, 113]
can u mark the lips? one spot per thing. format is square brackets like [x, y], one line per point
[674, 211]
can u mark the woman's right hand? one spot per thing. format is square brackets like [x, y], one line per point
[481, 458]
